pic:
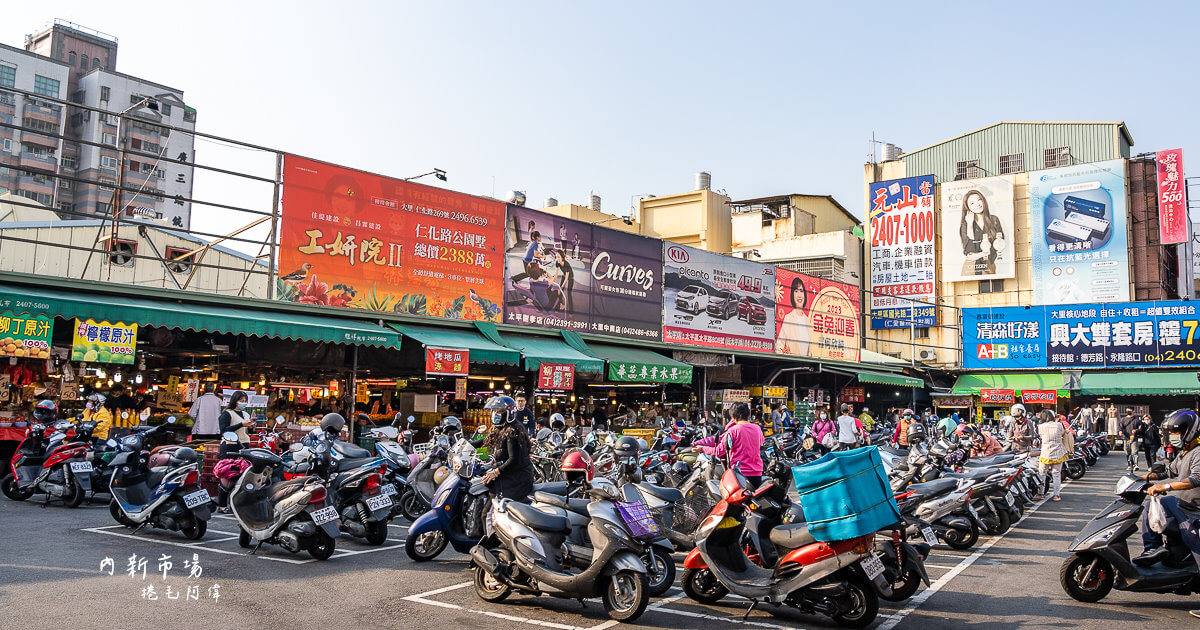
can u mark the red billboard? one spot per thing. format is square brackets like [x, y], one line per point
[556, 376]
[353, 239]
[815, 317]
[1039, 396]
[1173, 223]
[446, 361]
[997, 396]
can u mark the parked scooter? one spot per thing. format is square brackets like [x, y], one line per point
[431, 471]
[354, 484]
[58, 468]
[459, 510]
[395, 446]
[160, 490]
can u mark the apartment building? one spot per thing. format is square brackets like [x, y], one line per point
[810, 234]
[29, 160]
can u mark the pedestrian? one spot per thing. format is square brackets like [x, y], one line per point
[599, 418]
[776, 417]
[525, 416]
[787, 418]
[1149, 440]
[867, 421]
[824, 429]
[1085, 419]
[1126, 428]
[1057, 444]
[234, 419]
[850, 432]
[543, 429]
[900, 437]
[1020, 432]
[511, 476]
[742, 442]
[205, 413]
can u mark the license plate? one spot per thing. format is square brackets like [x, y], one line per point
[325, 515]
[81, 467]
[196, 499]
[389, 489]
[1012, 496]
[872, 566]
[379, 502]
[930, 536]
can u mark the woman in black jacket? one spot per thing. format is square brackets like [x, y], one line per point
[511, 476]
[1150, 439]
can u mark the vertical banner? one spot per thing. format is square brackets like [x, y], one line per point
[717, 301]
[570, 275]
[977, 229]
[460, 389]
[556, 376]
[353, 239]
[1079, 240]
[903, 263]
[816, 317]
[1173, 224]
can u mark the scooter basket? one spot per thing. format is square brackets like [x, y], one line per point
[846, 494]
[638, 519]
[422, 450]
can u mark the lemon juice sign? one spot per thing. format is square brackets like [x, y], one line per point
[103, 342]
[25, 335]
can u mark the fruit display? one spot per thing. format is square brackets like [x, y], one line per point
[16, 348]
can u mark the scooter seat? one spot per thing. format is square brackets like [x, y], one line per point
[898, 452]
[552, 487]
[283, 488]
[991, 460]
[792, 536]
[350, 451]
[351, 464]
[538, 519]
[974, 474]
[156, 476]
[578, 506]
[670, 495]
[934, 488]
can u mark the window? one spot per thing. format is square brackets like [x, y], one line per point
[968, 169]
[83, 62]
[8, 76]
[991, 286]
[921, 333]
[42, 198]
[71, 58]
[1058, 156]
[95, 62]
[7, 145]
[177, 262]
[65, 184]
[159, 173]
[121, 253]
[65, 206]
[39, 125]
[1014, 163]
[70, 162]
[45, 86]
[108, 162]
[103, 94]
[164, 108]
[134, 99]
[189, 114]
[109, 138]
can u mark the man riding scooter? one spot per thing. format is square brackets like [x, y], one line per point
[1183, 476]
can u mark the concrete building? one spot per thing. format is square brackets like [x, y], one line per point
[811, 234]
[29, 160]
[1016, 148]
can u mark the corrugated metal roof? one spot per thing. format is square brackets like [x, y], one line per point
[56, 225]
[1120, 125]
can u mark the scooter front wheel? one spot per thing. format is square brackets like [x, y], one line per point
[661, 573]
[425, 547]
[1086, 578]
[488, 588]
[961, 540]
[11, 490]
[627, 595]
[702, 586]
[411, 505]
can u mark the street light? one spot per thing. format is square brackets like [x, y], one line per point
[437, 172]
[625, 220]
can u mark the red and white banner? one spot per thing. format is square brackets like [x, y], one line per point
[556, 376]
[1040, 396]
[446, 361]
[1173, 224]
[997, 396]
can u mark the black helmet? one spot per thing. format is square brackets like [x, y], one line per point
[45, 411]
[557, 423]
[1184, 422]
[626, 446]
[451, 424]
[916, 433]
[501, 408]
[333, 423]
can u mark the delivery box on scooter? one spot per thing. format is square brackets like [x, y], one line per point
[846, 494]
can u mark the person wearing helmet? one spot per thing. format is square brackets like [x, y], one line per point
[1021, 431]
[511, 476]
[96, 411]
[741, 444]
[946, 428]
[1182, 476]
[557, 422]
[915, 434]
[451, 425]
[45, 412]
[907, 418]
[1057, 445]
[983, 444]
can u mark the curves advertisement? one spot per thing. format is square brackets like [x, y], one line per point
[815, 317]
[977, 229]
[902, 258]
[357, 240]
[570, 275]
[717, 301]
[1079, 241]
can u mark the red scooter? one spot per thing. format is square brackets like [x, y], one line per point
[59, 468]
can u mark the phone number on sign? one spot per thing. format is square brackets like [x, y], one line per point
[1174, 356]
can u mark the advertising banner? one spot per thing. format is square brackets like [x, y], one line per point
[104, 342]
[353, 239]
[556, 376]
[460, 389]
[903, 264]
[25, 335]
[1173, 223]
[1039, 396]
[997, 396]
[570, 275]
[717, 301]
[648, 373]
[977, 229]
[1080, 249]
[816, 317]
[446, 361]
[854, 394]
[1126, 334]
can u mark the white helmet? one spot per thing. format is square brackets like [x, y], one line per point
[1017, 410]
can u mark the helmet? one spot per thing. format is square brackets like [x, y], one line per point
[1184, 423]
[1017, 410]
[557, 423]
[626, 446]
[916, 433]
[643, 445]
[440, 475]
[577, 466]
[946, 427]
[333, 423]
[451, 424]
[45, 411]
[96, 398]
[907, 413]
[501, 408]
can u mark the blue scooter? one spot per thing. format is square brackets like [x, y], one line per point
[460, 505]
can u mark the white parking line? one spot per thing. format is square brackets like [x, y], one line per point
[660, 606]
[423, 598]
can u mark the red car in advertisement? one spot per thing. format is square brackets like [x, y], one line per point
[752, 312]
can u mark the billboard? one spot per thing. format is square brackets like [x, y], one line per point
[816, 317]
[1124, 334]
[903, 263]
[717, 301]
[353, 239]
[1079, 241]
[977, 229]
[1173, 223]
[570, 275]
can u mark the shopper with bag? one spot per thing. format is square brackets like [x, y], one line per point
[1057, 446]
[850, 431]
[1182, 476]
[824, 429]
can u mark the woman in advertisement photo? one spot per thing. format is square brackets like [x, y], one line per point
[566, 278]
[981, 234]
[795, 329]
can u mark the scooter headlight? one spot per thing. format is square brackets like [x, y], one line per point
[1102, 536]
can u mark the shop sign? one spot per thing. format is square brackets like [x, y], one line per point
[952, 402]
[648, 372]
[446, 361]
[25, 335]
[556, 376]
[104, 342]
[773, 391]
[717, 301]
[706, 359]
[816, 317]
[735, 395]
[854, 394]
[360, 392]
[997, 396]
[1173, 223]
[460, 389]
[903, 263]
[1040, 396]
[193, 390]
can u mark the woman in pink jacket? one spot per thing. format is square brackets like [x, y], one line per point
[746, 439]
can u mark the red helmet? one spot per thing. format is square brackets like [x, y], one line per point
[577, 465]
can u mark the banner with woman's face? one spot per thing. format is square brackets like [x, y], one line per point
[815, 317]
[977, 229]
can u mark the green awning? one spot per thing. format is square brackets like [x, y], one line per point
[481, 350]
[883, 378]
[1183, 383]
[970, 384]
[196, 317]
[636, 365]
[538, 350]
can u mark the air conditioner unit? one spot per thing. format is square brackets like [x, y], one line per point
[927, 355]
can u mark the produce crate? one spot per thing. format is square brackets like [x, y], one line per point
[846, 494]
[367, 442]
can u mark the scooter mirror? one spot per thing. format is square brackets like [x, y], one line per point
[229, 437]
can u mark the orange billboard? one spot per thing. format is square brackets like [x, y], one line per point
[357, 240]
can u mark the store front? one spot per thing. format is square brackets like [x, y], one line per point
[1156, 393]
[994, 393]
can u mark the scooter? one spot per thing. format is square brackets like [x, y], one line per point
[56, 467]
[424, 479]
[945, 504]
[1100, 556]
[533, 556]
[355, 487]
[394, 446]
[287, 513]
[161, 490]
[457, 517]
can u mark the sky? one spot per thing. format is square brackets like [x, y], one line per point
[562, 99]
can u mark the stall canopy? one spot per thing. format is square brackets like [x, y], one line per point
[537, 350]
[970, 384]
[1140, 383]
[481, 350]
[883, 378]
[633, 364]
[197, 317]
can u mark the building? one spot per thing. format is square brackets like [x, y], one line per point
[811, 234]
[29, 160]
[157, 162]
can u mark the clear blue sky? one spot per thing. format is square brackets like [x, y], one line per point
[624, 98]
